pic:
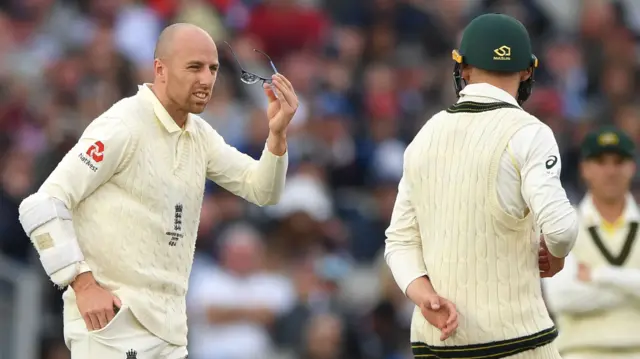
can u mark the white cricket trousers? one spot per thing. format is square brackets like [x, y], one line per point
[123, 338]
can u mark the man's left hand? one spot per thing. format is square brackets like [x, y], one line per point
[549, 265]
[283, 104]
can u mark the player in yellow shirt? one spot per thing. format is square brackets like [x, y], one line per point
[596, 299]
[116, 221]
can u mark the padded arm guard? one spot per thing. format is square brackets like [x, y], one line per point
[47, 222]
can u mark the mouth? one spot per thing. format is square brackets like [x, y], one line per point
[201, 95]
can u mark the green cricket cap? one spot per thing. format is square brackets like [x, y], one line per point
[496, 42]
[608, 139]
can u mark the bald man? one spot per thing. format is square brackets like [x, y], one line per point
[116, 222]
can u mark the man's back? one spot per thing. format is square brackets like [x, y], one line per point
[479, 256]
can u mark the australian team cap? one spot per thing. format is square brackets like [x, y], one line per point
[496, 42]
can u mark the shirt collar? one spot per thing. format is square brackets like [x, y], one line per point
[486, 93]
[591, 217]
[161, 113]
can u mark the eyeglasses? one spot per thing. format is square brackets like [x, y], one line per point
[250, 78]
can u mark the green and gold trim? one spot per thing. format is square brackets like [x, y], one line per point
[477, 107]
[620, 259]
[494, 350]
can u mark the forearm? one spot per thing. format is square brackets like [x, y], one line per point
[221, 315]
[536, 148]
[267, 178]
[259, 182]
[566, 294]
[560, 235]
[277, 143]
[405, 260]
[48, 223]
[574, 297]
[624, 279]
[419, 289]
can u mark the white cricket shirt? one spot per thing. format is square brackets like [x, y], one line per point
[524, 183]
[134, 183]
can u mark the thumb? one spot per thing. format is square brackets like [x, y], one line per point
[269, 91]
[433, 303]
[117, 302]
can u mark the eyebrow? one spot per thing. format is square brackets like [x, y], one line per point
[200, 63]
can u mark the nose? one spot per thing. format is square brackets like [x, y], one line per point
[207, 78]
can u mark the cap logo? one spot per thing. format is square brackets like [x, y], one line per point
[608, 139]
[502, 53]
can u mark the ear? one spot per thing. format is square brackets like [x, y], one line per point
[159, 69]
[630, 168]
[526, 74]
[465, 73]
[584, 171]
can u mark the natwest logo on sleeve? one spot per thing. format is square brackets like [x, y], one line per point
[96, 151]
[93, 156]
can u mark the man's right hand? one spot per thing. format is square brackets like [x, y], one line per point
[95, 303]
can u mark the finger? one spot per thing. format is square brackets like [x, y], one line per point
[434, 303]
[448, 331]
[284, 95]
[87, 322]
[268, 90]
[287, 97]
[453, 315]
[287, 83]
[110, 313]
[95, 323]
[102, 319]
[544, 267]
[117, 302]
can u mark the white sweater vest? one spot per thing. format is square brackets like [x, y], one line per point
[610, 328]
[476, 254]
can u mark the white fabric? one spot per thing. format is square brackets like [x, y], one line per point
[122, 334]
[38, 209]
[214, 287]
[41, 215]
[525, 184]
[134, 184]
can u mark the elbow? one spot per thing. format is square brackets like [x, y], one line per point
[561, 242]
[268, 198]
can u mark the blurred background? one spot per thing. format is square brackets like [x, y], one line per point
[369, 73]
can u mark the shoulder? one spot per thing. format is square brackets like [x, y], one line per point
[130, 115]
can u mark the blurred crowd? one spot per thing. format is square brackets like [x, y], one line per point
[304, 279]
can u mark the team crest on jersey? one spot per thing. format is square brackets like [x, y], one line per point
[93, 155]
[132, 354]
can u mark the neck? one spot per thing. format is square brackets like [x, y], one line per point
[178, 115]
[505, 84]
[610, 211]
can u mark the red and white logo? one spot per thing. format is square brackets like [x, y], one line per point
[96, 151]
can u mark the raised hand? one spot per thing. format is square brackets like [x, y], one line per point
[283, 103]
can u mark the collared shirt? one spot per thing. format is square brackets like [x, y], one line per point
[566, 294]
[134, 184]
[528, 179]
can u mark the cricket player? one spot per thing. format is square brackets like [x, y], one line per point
[116, 221]
[480, 181]
[596, 299]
